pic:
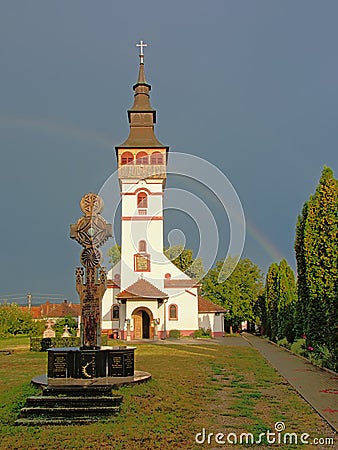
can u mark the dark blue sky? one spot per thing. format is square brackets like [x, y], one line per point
[251, 86]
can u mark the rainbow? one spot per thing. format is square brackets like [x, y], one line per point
[47, 126]
[268, 246]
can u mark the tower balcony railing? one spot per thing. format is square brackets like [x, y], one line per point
[142, 171]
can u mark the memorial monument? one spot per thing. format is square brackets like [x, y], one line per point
[78, 386]
[90, 360]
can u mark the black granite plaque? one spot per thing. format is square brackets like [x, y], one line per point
[116, 364]
[88, 366]
[58, 364]
[128, 360]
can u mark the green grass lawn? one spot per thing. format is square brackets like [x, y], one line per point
[219, 388]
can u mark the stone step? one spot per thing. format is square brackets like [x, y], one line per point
[66, 412]
[84, 391]
[58, 401]
[31, 421]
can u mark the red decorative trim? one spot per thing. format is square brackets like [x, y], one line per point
[189, 333]
[175, 283]
[111, 284]
[142, 218]
[142, 189]
[217, 334]
[191, 293]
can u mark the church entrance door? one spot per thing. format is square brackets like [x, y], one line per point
[143, 328]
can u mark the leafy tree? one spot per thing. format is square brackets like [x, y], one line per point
[114, 254]
[318, 257]
[184, 260]
[14, 320]
[238, 293]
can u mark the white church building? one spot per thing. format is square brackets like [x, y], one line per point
[147, 295]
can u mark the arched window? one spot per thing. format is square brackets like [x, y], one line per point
[127, 158]
[116, 312]
[142, 200]
[156, 158]
[142, 158]
[173, 312]
[142, 246]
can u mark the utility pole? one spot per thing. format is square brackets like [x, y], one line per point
[29, 298]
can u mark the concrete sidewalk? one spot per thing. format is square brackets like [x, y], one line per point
[316, 386]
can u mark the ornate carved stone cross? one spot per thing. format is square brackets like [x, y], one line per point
[91, 231]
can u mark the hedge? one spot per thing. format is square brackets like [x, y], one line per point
[43, 344]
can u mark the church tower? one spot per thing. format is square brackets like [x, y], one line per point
[142, 174]
[147, 295]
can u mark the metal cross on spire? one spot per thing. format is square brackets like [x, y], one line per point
[141, 45]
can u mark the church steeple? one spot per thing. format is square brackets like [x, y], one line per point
[141, 96]
[141, 115]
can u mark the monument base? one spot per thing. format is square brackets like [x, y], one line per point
[79, 363]
[83, 385]
[78, 386]
[60, 405]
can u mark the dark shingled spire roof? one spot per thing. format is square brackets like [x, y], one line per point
[142, 117]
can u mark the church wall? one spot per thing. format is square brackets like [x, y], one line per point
[107, 301]
[187, 310]
[213, 322]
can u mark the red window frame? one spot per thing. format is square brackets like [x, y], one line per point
[173, 307]
[142, 200]
[156, 158]
[142, 158]
[142, 246]
[127, 158]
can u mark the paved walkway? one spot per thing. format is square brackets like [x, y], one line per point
[231, 341]
[316, 386]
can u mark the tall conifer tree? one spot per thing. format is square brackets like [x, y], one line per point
[321, 253]
[317, 262]
[272, 296]
[302, 287]
[280, 295]
[286, 302]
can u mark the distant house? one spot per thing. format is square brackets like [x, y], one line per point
[211, 316]
[54, 311]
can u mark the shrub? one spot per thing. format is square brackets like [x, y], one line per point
[284, 343]
[202, 333]
[322, 357]
[175, 334]
[38, 344]
[298, 347]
